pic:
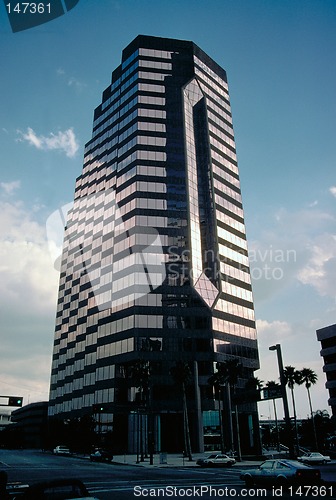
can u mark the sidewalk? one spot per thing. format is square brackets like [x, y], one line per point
[172, 460]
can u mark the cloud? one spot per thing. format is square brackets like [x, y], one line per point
[65, 142]
[320, 270]
[297, 249]
[25, 264]
[28, 295]
[10, 187]
[333, 190]
[71, 81]
[275, 331]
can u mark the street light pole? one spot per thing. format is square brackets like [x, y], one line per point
[277, 348]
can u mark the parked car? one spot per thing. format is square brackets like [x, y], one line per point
[58, 489]
[216, 460]
[100, 455]
[61, 450]
[281, 472]
[314, 458]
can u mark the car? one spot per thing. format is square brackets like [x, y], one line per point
[101, 455]
[314, 458]
[281, 473]
[61, 450]
[216, 460]
[57, 489]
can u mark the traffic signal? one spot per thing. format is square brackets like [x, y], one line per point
[15, 401]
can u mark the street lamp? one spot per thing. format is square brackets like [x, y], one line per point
[277, 348]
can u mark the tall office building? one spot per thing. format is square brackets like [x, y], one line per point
[327, 337]
[155, 265]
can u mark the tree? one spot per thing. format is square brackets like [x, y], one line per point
[274, 387]
[140, 374]
[325, 427]
[253, 387]
[233, 368]
[182, 375]
[140, 377]
[293, 377]
[254, 384]
[308, 377]
[218, 380]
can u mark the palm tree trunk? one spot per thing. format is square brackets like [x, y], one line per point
[220, 420]
[312, 417]
[276, 425]
[237, 434]
[142, 458]
[186, 424]
[229, 411]
[185, 450]
[295, 423]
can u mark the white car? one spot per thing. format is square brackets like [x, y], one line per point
[216, 460]
[281, 473]
[314, 458]
[61, 450]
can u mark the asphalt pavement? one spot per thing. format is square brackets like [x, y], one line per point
[170, 460]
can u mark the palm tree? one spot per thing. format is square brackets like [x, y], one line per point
[181, 374]
[218, 380]
[254, 385]
[309, 378]
[140, 374]
[233, 369]
[324, 427]
[292, 377]
[274, 388]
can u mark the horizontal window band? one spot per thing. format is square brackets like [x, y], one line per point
[232, 318]
[236, 300]
[222, 141]
[213, 89]
[222, 130]
[211, 78]
[230, 214]
[234, 264]
[225, 169]
[231, 230]
[228, 198]
[226, 183]
[225, 156]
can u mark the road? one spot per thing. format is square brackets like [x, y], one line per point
[114, 481]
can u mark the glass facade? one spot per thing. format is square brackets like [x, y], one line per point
[155, 264]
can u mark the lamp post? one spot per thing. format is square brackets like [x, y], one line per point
[277, 348]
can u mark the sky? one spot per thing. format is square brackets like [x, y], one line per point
[279, 58]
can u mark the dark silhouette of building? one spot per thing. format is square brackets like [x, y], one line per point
[155, 264]
[327, 337]
[31, 423]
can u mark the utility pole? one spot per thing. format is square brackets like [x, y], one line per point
[277, 348]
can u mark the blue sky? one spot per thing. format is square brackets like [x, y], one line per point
[279, 57]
